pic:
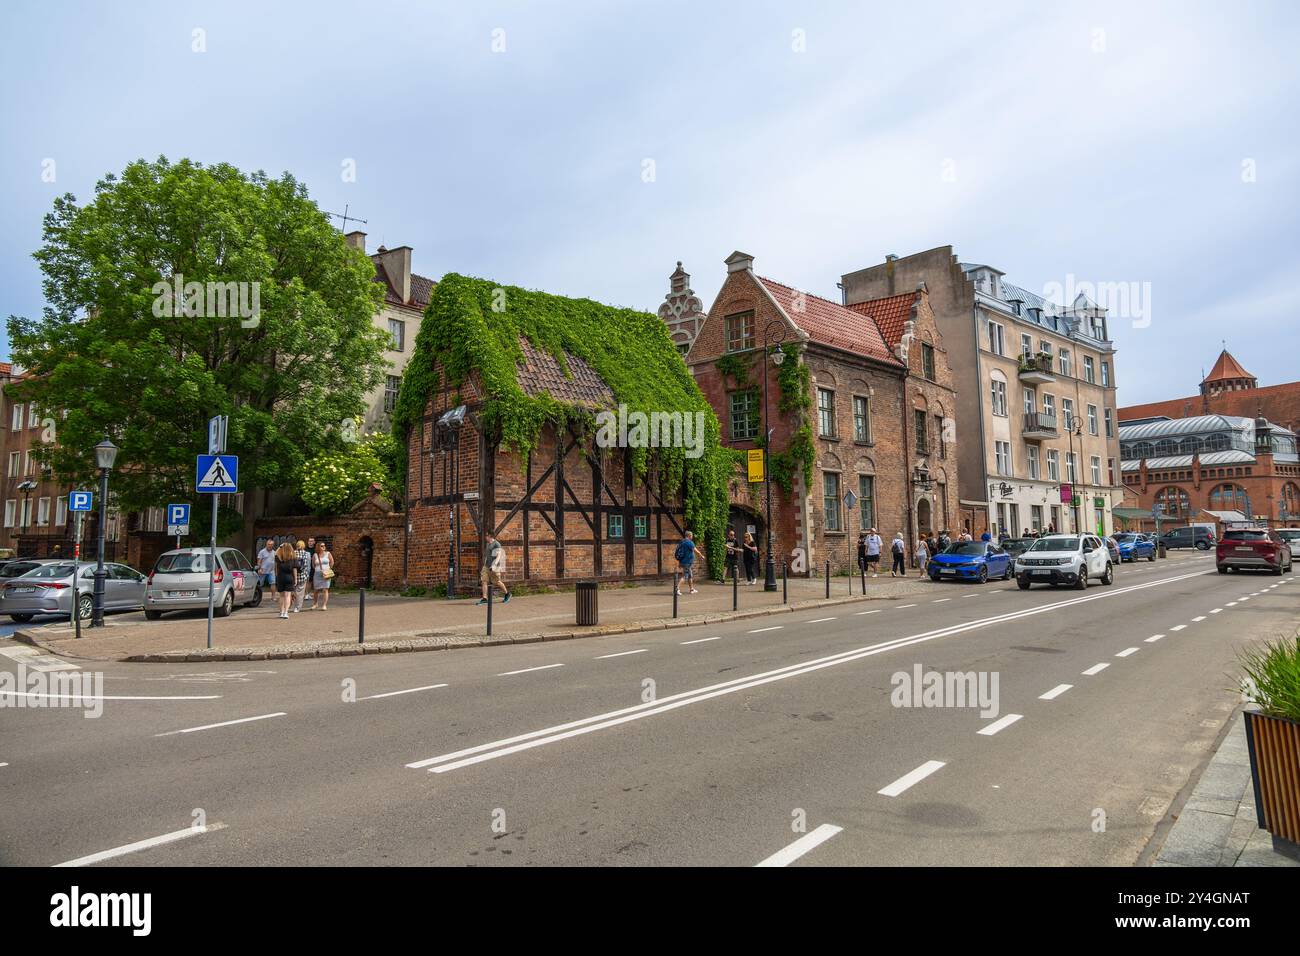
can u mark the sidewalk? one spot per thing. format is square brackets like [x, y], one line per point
[1218, 826]
[408, 624]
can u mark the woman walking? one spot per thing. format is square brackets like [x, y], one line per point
[922, 553]
[751, 557]
[323, 575]
[899, 551]
[286, 572]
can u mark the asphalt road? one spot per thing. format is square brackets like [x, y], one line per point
[762, 740]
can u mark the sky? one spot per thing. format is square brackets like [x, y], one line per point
[585, 148]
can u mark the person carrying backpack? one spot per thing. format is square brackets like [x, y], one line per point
[899, 550]
[685, 555]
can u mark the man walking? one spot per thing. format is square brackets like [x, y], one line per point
[266, 565]
[874, 545]
[494, 563]
[899, 550]
[733, 552]
[685, 555]
[309, 588]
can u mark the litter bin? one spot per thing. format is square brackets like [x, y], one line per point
[1161, 550]
[588, 605]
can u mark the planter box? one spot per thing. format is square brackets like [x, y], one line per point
[1274, 745]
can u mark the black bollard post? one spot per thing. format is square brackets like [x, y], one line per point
[828, 577]
[735, 587]
[361, 618]
[675, 587]
[785, 594]
[489, 609]
[863, 572]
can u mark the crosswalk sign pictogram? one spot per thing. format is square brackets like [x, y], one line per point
[218, 474]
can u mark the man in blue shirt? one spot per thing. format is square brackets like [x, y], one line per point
[685, 555]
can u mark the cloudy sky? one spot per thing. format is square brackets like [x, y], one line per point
[583, 148]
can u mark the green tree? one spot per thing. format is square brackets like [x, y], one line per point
[335, 481]
[117, 353]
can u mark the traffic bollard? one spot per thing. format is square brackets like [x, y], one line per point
[675, 586]
[828, 577]
[361, 618]
[489, 607]
[735, 587]
[785, 594]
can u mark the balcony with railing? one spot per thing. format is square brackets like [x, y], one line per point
[1038, 426]
[1036, 369]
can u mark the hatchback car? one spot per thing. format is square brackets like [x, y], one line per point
[1065, 559]
[1253, 548]
[179, 582]
[971, 561]
[48, 589]
[1198, 537]
[1015, 546]
[1133, 546]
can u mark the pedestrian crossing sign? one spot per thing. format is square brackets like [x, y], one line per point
[218, 474]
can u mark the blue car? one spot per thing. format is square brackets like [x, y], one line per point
[971, 561]
[1133, 546]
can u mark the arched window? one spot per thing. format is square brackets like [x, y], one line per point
[1228, 497]
[1290, 501]
[1174, 502]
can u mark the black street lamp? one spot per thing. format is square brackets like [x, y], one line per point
[105, 456]
[777, 357]
[27, 487]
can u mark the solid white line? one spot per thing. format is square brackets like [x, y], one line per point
[820, 620]
[144, 844]
[529, 670]
[1128, 651]
[1179, 627]
[999, 724]
[1095, 669]
[940, 600]
[605, 657]
[1198, 620]
[702, 640]
[548, 735]
[801, 846]
[18, 693]
[224, 723]
[760, 630]
[910, 779]
[395, 693]
[901, 606]
[860, 613]
[1153, 638]
[1055, 692]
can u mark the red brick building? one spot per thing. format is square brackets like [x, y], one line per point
[877, 413]
[1228, 390]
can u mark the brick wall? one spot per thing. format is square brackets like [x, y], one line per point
[345, 535]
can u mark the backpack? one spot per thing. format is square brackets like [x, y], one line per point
[680, 553]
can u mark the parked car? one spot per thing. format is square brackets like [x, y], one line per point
[972, 561]
[48, 589]
[1065, 559]
[179, 582]
[1253, 548]
[1133, 546]
[1290, 535]
[1194, 537]
[1015, 546]
[1113, 547]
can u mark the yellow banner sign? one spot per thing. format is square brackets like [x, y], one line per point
[755, 464]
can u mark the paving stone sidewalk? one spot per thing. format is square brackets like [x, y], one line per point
[1218, 825]
[395, 624]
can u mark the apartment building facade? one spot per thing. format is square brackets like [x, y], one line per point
[1039, 431]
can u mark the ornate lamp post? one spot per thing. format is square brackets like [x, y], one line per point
[105, 456]
[773, 336]
[27, 487]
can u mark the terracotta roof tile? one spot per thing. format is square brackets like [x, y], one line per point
[421, 288]
[540, 374]
[829, 323]
[890, 313]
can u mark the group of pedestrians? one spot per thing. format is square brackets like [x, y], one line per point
[297, 575]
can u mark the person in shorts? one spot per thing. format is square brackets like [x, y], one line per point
[685, 555]
[494, 563]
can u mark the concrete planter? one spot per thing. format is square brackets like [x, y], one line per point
[1274, 745]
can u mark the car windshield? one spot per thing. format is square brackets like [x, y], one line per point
[967, 548]
[1126, 538]
[51, 571]
[182, 562]
[1056, 543]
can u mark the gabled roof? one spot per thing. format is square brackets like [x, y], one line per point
[890, 314]
[541, 374]
[421, 287]
[829, 323]
[1226, 367]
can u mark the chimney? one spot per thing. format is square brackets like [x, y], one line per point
[397, 263]
[740, 262]
[356, 239]
[889, 271]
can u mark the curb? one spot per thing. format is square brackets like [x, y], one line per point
[408, 641]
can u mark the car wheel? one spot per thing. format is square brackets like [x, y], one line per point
[1151, 556]
[1082, 582]
[227, 605]
[983, 576]
[257, 597]
[1202, 546]
[1109, 577]
[1223, 569]
[21, 618]
[86, 607]
[152, 615]
[1023, 581]
[1277, 571]
[1007, 575]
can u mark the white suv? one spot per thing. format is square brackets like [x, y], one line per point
[1065, 559]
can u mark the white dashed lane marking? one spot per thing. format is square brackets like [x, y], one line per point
[820, 620]
[605, 657]
[909, 780]
[760, 630]
[1127, 652]
[1095, 669]
[1153, 638]
[701, 640]
[1055, 692]
[529, 670]
[1000, 724]
[1198, 620]
[801, 846]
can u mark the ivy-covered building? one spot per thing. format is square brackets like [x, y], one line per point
[862, 403]
[529, 415]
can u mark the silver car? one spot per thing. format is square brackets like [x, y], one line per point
[179, 582]
[48, 589]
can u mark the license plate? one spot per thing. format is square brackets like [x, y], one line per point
[1040, 573]
[1241, 550]
[22, 590]
[182, 594]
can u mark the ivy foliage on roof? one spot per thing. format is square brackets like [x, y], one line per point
[474, 326]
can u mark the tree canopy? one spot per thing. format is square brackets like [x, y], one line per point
[119, 352]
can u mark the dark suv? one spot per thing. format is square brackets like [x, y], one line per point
[1199, 538]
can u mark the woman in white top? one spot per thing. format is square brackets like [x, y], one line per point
[322, 575]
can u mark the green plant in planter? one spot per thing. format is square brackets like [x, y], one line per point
[1272, 677]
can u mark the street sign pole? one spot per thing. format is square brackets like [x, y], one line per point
[76, 563]
[212, 568]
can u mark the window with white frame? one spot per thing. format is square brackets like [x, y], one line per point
[1096, 470]
[42, 512]
[15, 463]
[1089, 373]
[1105, 373]
[1067, 412]
[27, 513]
[997, 339]
[1031, 455]
[16, 419]
[392, 386]
[1053, 465]
[999, 395]
[1002, 454]
[1092, 419]
[1071, 472]
[740, 331]
[397, 333]
[29, 469]
[1049, 405]
[861, 418]
[826, 412]
[61, 511]
[1065, 362]
[1110, 423]
[1036, 518]
[744, 415]
[1026, 345]
[831, 500]
[11, 510]
[1031, 403]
